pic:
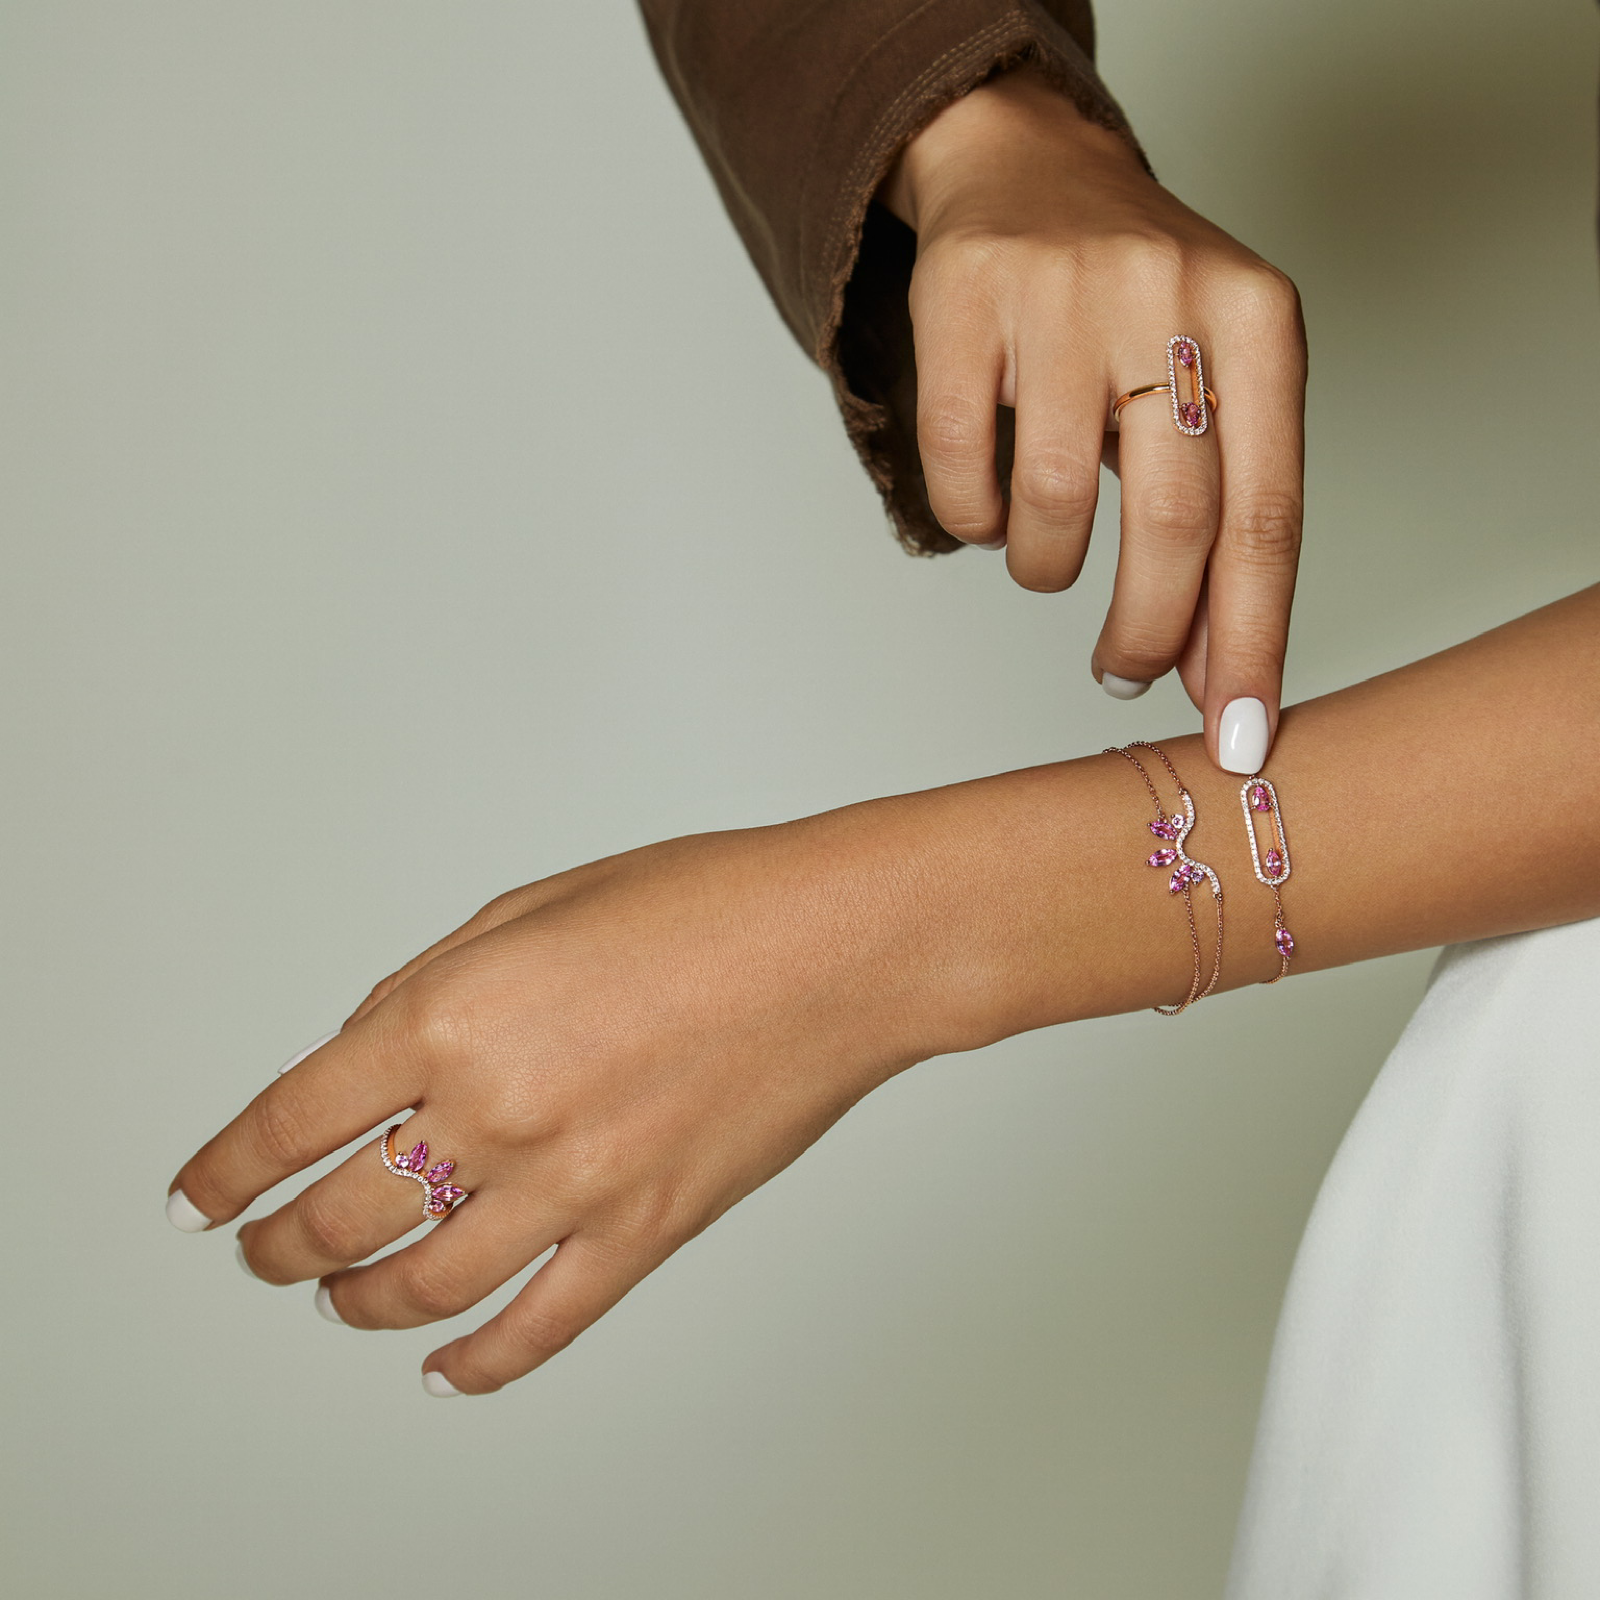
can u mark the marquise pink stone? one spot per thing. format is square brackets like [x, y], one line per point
[1163, 858]
[439, 1173]
[1181, 879]
[415, 1161]
[1164, 828]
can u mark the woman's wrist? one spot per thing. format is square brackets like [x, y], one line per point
[1013, 108]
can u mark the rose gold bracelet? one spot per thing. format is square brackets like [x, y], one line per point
[1176, 828]
[1258, 797]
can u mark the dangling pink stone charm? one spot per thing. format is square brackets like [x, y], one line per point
[1162, 858]
[1273, 862]
[1284, 940]
[1260, 799]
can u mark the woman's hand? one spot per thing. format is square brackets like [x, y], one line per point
[612, 1057]
[1051, 272]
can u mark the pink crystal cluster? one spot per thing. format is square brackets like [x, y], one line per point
[442, 1194]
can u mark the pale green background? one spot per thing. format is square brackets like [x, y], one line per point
[409, 491]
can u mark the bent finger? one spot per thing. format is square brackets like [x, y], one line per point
[1055, 477]
[1171, 489]
[582, 1281]
[458, 1262]
[353, 1211]
[366, 1075]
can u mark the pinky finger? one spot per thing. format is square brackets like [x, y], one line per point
[569, 1293]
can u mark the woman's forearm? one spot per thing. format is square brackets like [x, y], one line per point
[1436, 803]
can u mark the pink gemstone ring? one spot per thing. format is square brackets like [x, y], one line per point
[441, 1196]
[1191, 413]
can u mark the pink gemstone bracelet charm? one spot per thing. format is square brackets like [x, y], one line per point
[1174, 828]
[1270, 858]
[441, 1197]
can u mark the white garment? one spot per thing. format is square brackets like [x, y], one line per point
[1431, 1425]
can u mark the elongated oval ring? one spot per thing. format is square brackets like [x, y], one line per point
[1192, 415]
[440, 1196]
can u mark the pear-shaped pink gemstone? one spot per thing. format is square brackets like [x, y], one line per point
[1260, 799]
[1273, 863]
[1284, 940]
[1189, 412]
[1186, 354]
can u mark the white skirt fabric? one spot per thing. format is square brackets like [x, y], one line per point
[1431, 1424]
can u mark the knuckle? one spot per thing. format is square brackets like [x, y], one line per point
[1176, 514]
[434, 1288]
[1265, 528]
[542, 1333]
[950, 429]
[1262, 294]
[436, 1016]
[1139, 652]
[329, 1229]
[1059, 493]
[277, 1130]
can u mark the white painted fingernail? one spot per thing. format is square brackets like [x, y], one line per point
[310, 1049]
[238, 1255]
[1242, 736]
[184, 1214]
[325, 1306]
[1122, 688]
[439, 1386]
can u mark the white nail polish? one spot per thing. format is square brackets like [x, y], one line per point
[1122, 688]
[184, 1214]
[325, 1306]
[238, 1255]
[438, 1385]
[1242, 736]
[310, 1049]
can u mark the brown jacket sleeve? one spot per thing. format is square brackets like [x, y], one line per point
[800, 108]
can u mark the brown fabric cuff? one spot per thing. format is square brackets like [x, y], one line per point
[800, 111]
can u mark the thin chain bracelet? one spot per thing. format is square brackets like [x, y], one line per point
[1272, 864]
[1176, 827]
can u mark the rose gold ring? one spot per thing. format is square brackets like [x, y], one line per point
[442, 1196]
[1191, 416]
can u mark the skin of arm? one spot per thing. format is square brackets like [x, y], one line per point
[616, 1055]
[1051, 271]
